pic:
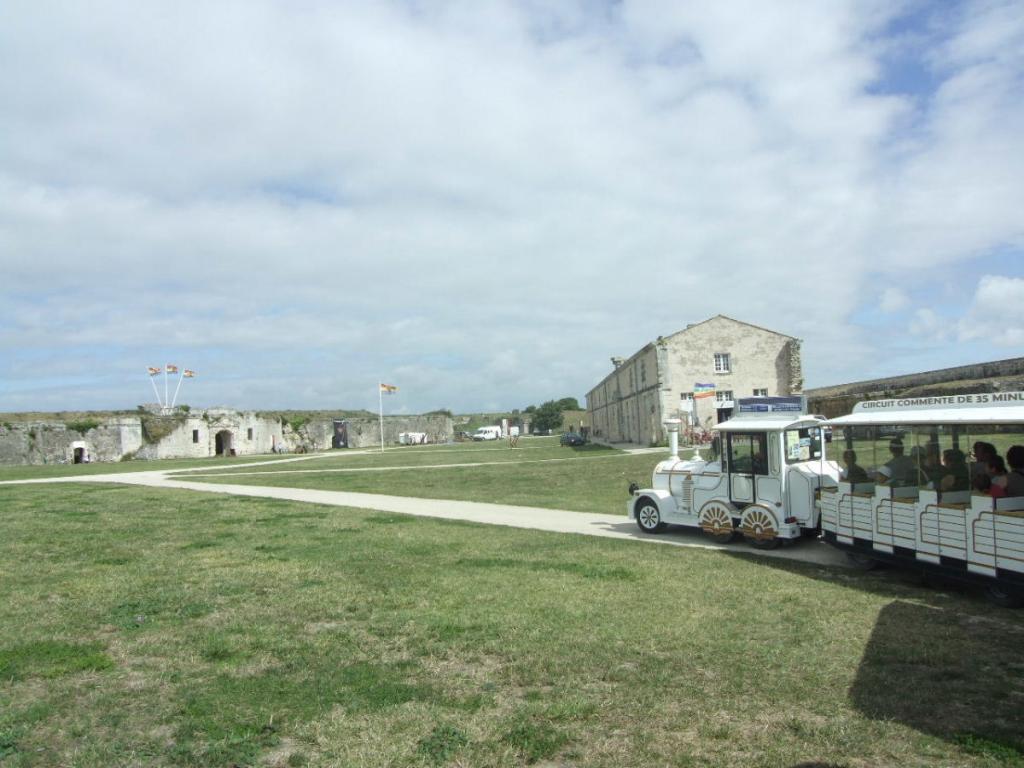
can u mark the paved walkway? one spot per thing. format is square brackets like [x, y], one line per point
[534, 518]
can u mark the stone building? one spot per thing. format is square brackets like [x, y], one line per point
[695, 374]
[51, 439]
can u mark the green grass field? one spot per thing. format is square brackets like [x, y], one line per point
[157, 627]
[39, 471]
[539, 474]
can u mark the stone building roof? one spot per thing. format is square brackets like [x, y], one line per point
[620, 362]
[731, 320]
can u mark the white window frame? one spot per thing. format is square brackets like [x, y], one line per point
[762, 392]
[723, 395]
[723, 362]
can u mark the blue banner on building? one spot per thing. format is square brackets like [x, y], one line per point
[791, 404]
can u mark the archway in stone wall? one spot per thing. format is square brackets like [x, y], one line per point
[222, 443]
[79, 452]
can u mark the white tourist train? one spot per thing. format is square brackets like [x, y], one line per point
[763, 484]
[929, 517]
[903, 493]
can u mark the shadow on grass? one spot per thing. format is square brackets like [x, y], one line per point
[946, 673]
[812, 558]
[941, 661]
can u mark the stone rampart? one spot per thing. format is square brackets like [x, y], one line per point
[196, 434]
[365, 433]
[55, 442]
[997, 376]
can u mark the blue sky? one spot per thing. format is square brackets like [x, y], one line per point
[483, 202]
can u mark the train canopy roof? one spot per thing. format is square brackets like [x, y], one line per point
[748, 423]
[975, 408]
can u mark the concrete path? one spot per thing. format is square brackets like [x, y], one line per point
[534, 518]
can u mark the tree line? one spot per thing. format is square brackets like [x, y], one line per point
[549, 415]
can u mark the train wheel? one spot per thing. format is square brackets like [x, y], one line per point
[648, 516]
[716, 522]
[759, 530]
[1004, 597]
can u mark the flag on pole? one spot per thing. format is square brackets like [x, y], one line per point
[188, 374]
[172, 368]
[388, 389]
[703, 390]
[153, 371]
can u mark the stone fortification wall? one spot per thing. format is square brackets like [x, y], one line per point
[213, 432]
[997, 376]
[54, 442]
[196, 434]
[365, 433]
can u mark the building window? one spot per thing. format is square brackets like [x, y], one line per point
[249, 433]
[643, 373]
[723, 394]
[686, 396]
[760, 393]
[722, 364]
[195, 435]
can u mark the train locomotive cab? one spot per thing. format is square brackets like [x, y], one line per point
[763, 485]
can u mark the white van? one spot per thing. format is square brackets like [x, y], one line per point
[487, 433]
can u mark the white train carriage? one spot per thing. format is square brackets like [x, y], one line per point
[763, 485]
[928, 516]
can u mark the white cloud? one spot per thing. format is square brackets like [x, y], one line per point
[929, 324]
[997, 313]
[489, 199]
[893, 300]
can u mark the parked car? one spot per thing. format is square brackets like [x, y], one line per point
[571, 438]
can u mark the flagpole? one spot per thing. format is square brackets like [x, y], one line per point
[165, 388]
[155, 393]
[180, 377]
[380, 397]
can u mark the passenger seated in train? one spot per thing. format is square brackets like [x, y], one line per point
[930, 472]
[995, 470]
[853, 473]
[983, 484]
[956, 475]
[899, 470]
[1015, 477]
[982, 453]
